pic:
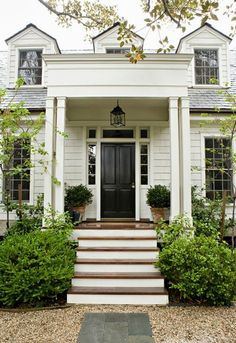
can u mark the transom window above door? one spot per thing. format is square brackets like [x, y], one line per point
[206, 66]
[107, 133]
[30, 66]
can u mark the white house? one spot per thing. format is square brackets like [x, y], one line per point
[162, 96]
[162, 142]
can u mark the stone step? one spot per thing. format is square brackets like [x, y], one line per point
[118, 295]
[118, 279]
[117, 252]
[116, 265]
[118, 241]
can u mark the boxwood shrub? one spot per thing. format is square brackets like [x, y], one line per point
[201, 268]
[35, 268]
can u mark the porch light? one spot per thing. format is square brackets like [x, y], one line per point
[117, 116]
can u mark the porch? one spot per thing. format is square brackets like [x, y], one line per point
[126, 160]
[82, 90]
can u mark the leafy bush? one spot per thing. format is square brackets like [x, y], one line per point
[206, 214]
[201, 268]
[158, 196]
[35, 268]
[29, 217]
[59, 222]
[77, 196]
[179, 227]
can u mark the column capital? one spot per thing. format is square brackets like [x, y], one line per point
[61, 101]
[50, 101]
[184, 101]
[173, 102]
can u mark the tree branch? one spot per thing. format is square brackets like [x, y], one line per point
[167, 11]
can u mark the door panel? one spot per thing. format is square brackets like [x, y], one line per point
[118, 175]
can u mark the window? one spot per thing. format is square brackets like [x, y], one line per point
[206, 66]
[218, 167]
[30, 66]
[92, 133]
[118, 133]
[91, 164]
[117, 51]
[21, 158]
[144, 133]
[144, 164]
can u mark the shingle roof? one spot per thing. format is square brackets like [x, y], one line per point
[33, 98]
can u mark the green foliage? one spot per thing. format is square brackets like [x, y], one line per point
[59, 222]
[78, 196]
[29, 217]
[201, 268]
[35, 268]
[18, 127]
[206, 215]
[179, 227]
[158, 196]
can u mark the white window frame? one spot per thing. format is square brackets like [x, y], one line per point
[208, 47]
[203, 159]
[17, 54]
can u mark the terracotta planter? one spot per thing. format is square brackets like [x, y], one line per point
[157, 214]
[80, 210]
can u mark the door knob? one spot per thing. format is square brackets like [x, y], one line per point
[133, 185]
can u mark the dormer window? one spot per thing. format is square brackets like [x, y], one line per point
[206, 66]
[117, 50]
[30, 66]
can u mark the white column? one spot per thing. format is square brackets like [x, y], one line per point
[49, 148]
[60, 154]
[174, 157]
[185, 151]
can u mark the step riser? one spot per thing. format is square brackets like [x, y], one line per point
[106, 299]
[118, 254]
[119, 268]
[118, 282]
[118, 243]
[115, 233]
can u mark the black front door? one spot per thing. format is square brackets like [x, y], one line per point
[118, 175]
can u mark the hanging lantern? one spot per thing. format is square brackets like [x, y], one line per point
[117, 116]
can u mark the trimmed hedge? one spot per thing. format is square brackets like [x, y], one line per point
[35, 268]
[201, 268]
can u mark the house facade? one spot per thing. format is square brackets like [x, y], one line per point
[163, 140]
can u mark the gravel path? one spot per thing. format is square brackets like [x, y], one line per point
[169, 324]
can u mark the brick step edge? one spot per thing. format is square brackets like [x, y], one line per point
[93, 275]
[118, 290]
[127, 249]
[114, 261]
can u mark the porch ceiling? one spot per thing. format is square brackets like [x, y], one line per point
[135, 108]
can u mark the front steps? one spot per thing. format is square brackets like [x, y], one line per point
[114, 265]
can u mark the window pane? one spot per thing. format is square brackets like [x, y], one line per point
[30, 66]
[218, 167]
[144, 164]
[91, 164]
[206, 65]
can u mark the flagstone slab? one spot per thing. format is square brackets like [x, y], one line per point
[115, 328]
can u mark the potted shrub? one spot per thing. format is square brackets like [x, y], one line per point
[158, 198]
[77, 198]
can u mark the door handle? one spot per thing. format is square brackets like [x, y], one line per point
[132, 185]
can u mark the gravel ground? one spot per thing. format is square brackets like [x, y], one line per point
[169, 324]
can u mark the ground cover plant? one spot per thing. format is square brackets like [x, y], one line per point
[36, 267]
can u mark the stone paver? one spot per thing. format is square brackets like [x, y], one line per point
[115, 328]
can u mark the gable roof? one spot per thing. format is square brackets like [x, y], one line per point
[199, 28]
[111, 28]
[35, 27]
